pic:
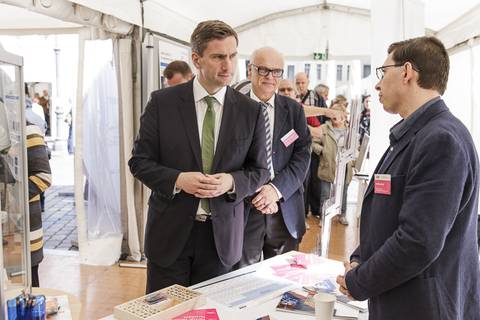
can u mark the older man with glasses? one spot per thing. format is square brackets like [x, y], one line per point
[275, 215]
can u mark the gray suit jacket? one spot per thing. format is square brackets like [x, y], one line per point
[418, 248]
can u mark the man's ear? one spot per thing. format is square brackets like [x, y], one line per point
[409, 73]
[249, 72]
[195, 60]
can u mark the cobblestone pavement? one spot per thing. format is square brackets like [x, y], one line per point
[59, 219]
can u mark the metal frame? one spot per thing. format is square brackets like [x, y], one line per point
[17, 61]
[346, 155]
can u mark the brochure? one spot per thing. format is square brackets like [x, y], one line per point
[295, 302]
[201, 314]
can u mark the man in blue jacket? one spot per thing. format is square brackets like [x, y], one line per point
[418, 252]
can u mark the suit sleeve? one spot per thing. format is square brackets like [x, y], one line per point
[289, 180]
[254, 172]
[355, 256]
[145, 163]
[434, 187]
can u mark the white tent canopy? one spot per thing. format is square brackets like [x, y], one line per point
[454, 22]
[353, 30]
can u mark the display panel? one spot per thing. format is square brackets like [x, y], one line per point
[14, 269]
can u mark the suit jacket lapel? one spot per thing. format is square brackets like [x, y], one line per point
[189, 118]
[226, 125]
[280, 115]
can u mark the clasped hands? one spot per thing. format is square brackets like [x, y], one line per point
[266, 199]
[341, 279]
[204, 185]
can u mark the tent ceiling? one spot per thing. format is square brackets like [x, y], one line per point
[438, 13]
[178, 18]
[14, 18]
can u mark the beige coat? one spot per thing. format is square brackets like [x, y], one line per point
[326, 149]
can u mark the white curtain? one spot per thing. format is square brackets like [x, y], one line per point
[132, 224]
[97, 160]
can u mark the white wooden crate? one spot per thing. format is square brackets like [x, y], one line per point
[180, 300]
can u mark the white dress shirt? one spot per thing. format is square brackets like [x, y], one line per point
[199, 93]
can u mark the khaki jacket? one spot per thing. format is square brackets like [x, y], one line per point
[326, 149]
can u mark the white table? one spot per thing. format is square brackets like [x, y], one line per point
[266, 305]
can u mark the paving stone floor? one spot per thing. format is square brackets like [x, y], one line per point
[59, 219]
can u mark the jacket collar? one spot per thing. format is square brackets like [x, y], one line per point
[394, 150]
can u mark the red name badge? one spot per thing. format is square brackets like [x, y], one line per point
[383, 184]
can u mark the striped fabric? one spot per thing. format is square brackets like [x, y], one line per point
[268, 135]
[39, 179]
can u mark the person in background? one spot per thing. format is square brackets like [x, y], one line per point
[327, 148]
[286, 88]
[36, 119]
[177, 72]
[44, 101]
[39, 179]
[308, 97]
[365, 118]
[69, 121]
[322, 91]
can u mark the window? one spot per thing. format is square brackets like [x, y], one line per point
[319, 72]
[291, 72]
[307, 69]
[339, 72]
[367, 69]
[348, 73]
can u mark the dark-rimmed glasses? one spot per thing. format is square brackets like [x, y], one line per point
[264, 71]
[380, 71]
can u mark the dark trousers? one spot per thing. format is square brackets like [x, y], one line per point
[267, 234]
[42, 201]
[197, 262]
[35, 278]
[312, 187]
[325, 188]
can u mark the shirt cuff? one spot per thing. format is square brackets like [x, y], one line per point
[176, 190]
[279, 194]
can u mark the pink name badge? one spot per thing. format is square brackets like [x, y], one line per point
[383, 184]
[289, 138]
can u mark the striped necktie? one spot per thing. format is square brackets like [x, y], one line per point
[268, 135]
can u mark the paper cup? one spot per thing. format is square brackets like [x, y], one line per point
[324, 303]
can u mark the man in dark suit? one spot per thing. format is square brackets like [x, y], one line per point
[418, 254]
[288, 155]
[201, 150]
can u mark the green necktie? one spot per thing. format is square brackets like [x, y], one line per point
[208, 144]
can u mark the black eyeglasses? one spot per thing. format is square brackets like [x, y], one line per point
[380, 71]
[264, 71]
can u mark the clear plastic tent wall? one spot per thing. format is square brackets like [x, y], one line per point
[462, 95]
[101, 162]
